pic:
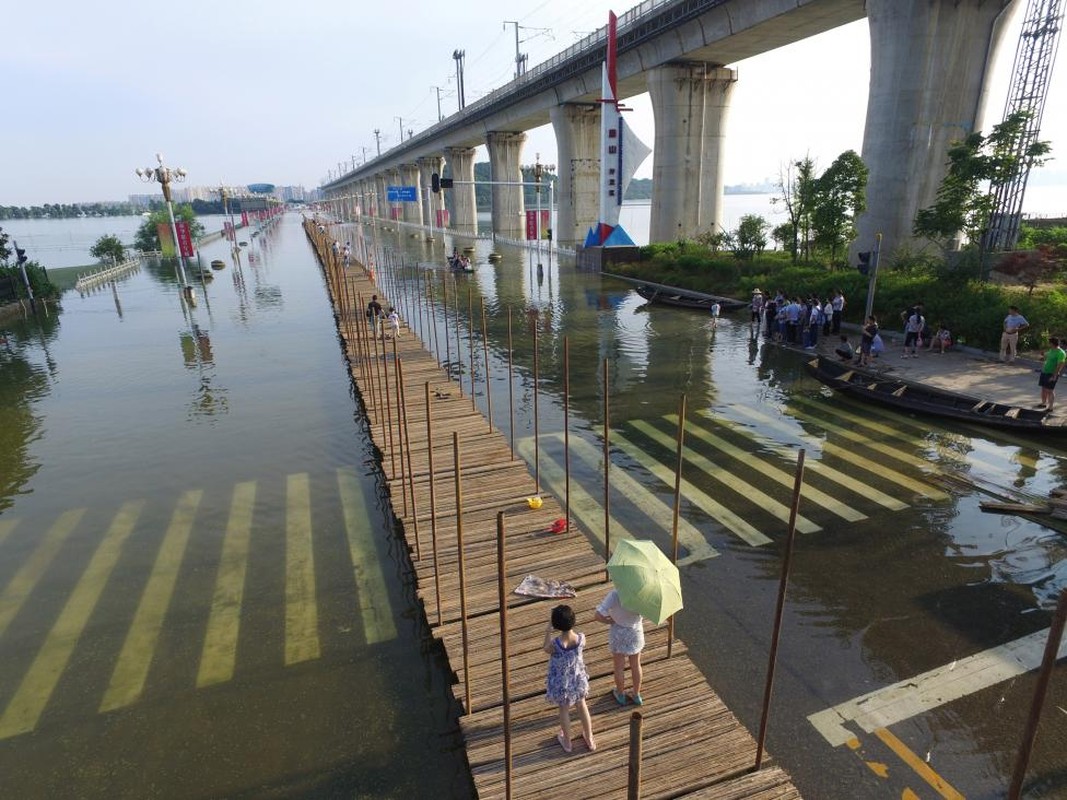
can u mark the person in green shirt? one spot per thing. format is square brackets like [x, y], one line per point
[1050, 372]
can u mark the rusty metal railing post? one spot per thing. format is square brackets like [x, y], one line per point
[459, 349]
[407, 454]
[1048, 664]
[399, 432]
[511, 386]
[567, 431]
[536, 415]
[677, 507]
[633, 770]
[607, 471]
[470, 341]
[768, 689]
[485, 349]
[462, 577]
[433, 505]
[444, 316]
[505, 679]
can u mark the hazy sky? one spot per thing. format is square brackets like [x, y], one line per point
[280, 92]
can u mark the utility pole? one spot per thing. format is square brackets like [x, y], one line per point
[459, 55]
[378, 139]
[520, 58]
[440, 116]
[411, 133]
[401, 121]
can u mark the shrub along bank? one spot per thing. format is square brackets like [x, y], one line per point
[974, 311]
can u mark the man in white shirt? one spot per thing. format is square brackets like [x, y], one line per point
[1014, 324]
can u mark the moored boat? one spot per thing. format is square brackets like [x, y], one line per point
[218, 263]
[921, 399]
[684, 298]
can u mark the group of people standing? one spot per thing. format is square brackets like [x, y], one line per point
[1052, 365]
[796, 320]
[376, 316]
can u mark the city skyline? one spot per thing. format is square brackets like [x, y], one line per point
[240, 94]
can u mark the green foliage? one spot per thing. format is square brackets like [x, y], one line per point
[68, 210]
[5, 253]
[42, 286]
[108, 248]
[840, 196]
[147, 237]
[750, 237]
[965, 201]
[1031, 236]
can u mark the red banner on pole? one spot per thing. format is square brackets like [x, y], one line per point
[443, 218]
[244, 218]
[185, 239]
[531, 224]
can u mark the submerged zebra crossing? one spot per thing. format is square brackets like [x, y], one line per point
[55, 641]
[855, 463]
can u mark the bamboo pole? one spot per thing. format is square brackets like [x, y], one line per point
[433, 504]
[470, 339]
[567, 431]
[783, 583]
[462, 575]
[379, 367]
[459, 349]
[607, 469]
[1048, 664]
[444, 314]
[679, 460]
[388, 408]
[633, 771]
[537, 432]
[485, 348]
[407, 453]
[399, 430]
[511, 386]
[505, 679]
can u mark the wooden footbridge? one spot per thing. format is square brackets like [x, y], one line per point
[461, 495]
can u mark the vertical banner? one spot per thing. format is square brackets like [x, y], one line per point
[166, 239]
[546, 222]
[531, 224]
[443, 218]
[185, 239]
[244, 218]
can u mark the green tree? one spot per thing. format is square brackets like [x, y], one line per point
[785, 235]
[840, 195]
[965, 202]
[796, 182]
[108, 248]
[5, 253]
[750, 237]
[147, 237]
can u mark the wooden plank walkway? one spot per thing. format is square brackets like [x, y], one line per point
[692, 745]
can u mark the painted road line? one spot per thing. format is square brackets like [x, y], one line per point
[584, 507]
[908, 698]
[654, 508]
[40, 680]
[20, 586]
[127, 681]
[6, 526]
[764, 467]
[874, 467]
[922, 769]
[862, 489]
[219, 656]
[374, 607]
[693, 494]
[723, 476]
[301, 612]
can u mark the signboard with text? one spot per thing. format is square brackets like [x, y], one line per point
[185, 239]
[531, 223]
[402, 194]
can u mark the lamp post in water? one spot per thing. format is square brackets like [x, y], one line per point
[164, 175]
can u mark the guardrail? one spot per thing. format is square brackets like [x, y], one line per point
[89, 280]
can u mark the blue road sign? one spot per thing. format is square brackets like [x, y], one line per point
[401, 194]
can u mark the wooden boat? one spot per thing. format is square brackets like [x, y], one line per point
[684, 298]
[459, 265]
[218, 263]
[914, 397]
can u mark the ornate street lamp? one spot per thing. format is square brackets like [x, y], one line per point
[164, 175]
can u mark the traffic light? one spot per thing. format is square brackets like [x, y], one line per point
[446, 183]
[20, 256]
[435, 183]
[864, 266]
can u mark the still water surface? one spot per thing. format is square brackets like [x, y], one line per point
[202, 477]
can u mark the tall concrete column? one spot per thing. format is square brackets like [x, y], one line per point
[577, 129]
[409, 176]
[381, 181]
[505, 153]
[464, 205]
[689, 103]
[430, 201]
[929, 65]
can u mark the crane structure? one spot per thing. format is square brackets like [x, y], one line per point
[1035, 57]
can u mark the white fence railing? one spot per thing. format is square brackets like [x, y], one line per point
[90, 279]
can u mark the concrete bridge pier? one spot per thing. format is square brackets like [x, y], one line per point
[381, 180]
[464, 209]
[409, 176]
[929, 65]
[577, 129]
[689, 103]
[431, 202]
[505, 153]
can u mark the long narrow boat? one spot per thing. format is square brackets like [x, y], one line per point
[914, 397]
[684, 298]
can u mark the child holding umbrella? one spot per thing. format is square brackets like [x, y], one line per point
[626, 638]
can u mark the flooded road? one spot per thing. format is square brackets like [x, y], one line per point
[201, 593]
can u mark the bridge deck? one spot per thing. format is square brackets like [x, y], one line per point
[692, 745]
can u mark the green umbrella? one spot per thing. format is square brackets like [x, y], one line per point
[646, 580]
